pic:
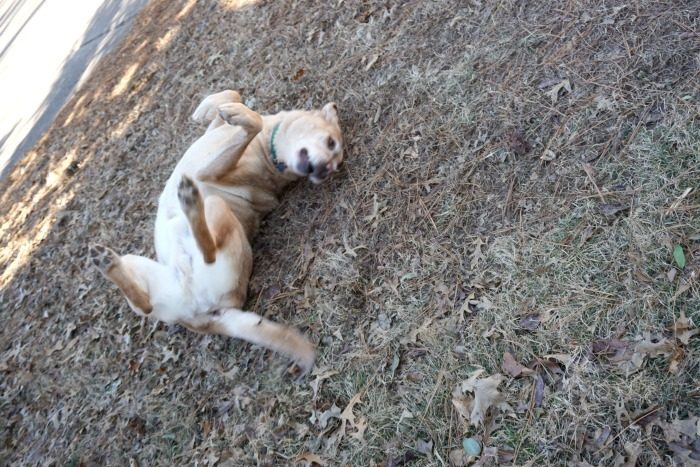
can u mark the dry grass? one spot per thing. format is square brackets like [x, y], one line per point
[446, 115]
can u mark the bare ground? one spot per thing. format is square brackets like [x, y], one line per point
[518, 176]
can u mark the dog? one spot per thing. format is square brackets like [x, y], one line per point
[209, 211]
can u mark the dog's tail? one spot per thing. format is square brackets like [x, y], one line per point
[254, 328]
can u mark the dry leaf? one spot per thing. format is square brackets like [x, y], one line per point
[425, 447]
[563, 358]
[492, 456]
[548, 155]
[683, 439]
[333, 412]
[682, 329]
[486, 395]
[298, 74]
[629, 356]
[530, 322]
[518, 143]
[554, 92]
[675, 430]
[539, 390]
[412, 336]
[477, 255]
[309, 458]
[513, 368]
[320, 376]
[633, 451]
[458, 458]
[349, 417]
[361, 426]
[372, 60]
[612, 209]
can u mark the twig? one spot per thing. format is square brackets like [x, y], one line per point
[589, 171]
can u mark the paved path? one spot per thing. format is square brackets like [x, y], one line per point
[47, 49]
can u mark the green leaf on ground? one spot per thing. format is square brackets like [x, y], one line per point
[679, 256]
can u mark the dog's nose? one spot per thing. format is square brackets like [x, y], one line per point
[304, 166]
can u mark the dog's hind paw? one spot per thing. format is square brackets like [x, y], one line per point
[102, 257]
[188, 194]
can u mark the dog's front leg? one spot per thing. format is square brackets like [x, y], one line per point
[208, 110]
[243, 125]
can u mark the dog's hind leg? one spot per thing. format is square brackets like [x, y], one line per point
[258, 330]
[113, 268]
[193, 206]
[208, 110]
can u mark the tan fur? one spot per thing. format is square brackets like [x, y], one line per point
[209, 212]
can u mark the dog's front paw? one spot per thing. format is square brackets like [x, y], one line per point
[207, 110]
[102, 257]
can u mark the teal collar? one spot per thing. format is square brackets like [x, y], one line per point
[280, 166]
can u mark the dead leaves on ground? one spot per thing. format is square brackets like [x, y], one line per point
[332, 435]
[475, 396]
[629, 356]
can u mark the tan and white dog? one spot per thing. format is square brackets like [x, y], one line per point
[209, 212]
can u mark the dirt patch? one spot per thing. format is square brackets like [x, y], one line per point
[516, 181]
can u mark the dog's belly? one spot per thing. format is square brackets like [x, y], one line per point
[200, 287]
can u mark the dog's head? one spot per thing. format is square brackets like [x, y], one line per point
[314, 144]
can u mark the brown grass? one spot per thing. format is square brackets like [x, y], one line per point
[446, 115]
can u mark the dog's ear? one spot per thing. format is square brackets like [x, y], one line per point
[330, 112]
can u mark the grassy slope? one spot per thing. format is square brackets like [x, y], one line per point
[437, 99]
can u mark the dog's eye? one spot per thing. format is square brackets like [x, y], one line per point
[331, 143]
[304, 153]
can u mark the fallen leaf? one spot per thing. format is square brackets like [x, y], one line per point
[477, 255]
[548, 82]
[676, 429]
[412, 336]
[612, 209]
[554, 92]
[309, 458]
[404, 459]
[679, 256]
[137, 425]
[682, 330]
[491, 455]
[602, 436]
[349, 417]
[361, 427]
[633, 451]
[372, 60]
[298, 74]
[655, 347]
[406, 414]
[563, 358]
[485, 393]
[425, 447]
[513, 368]
[539, 390]
[320, 376]
[530, 322]
[674, 365]
[517, 143]
[629, 356]
[458, 458]
[671, 274]
[333, 412]
[646, 418]
[548, 155]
